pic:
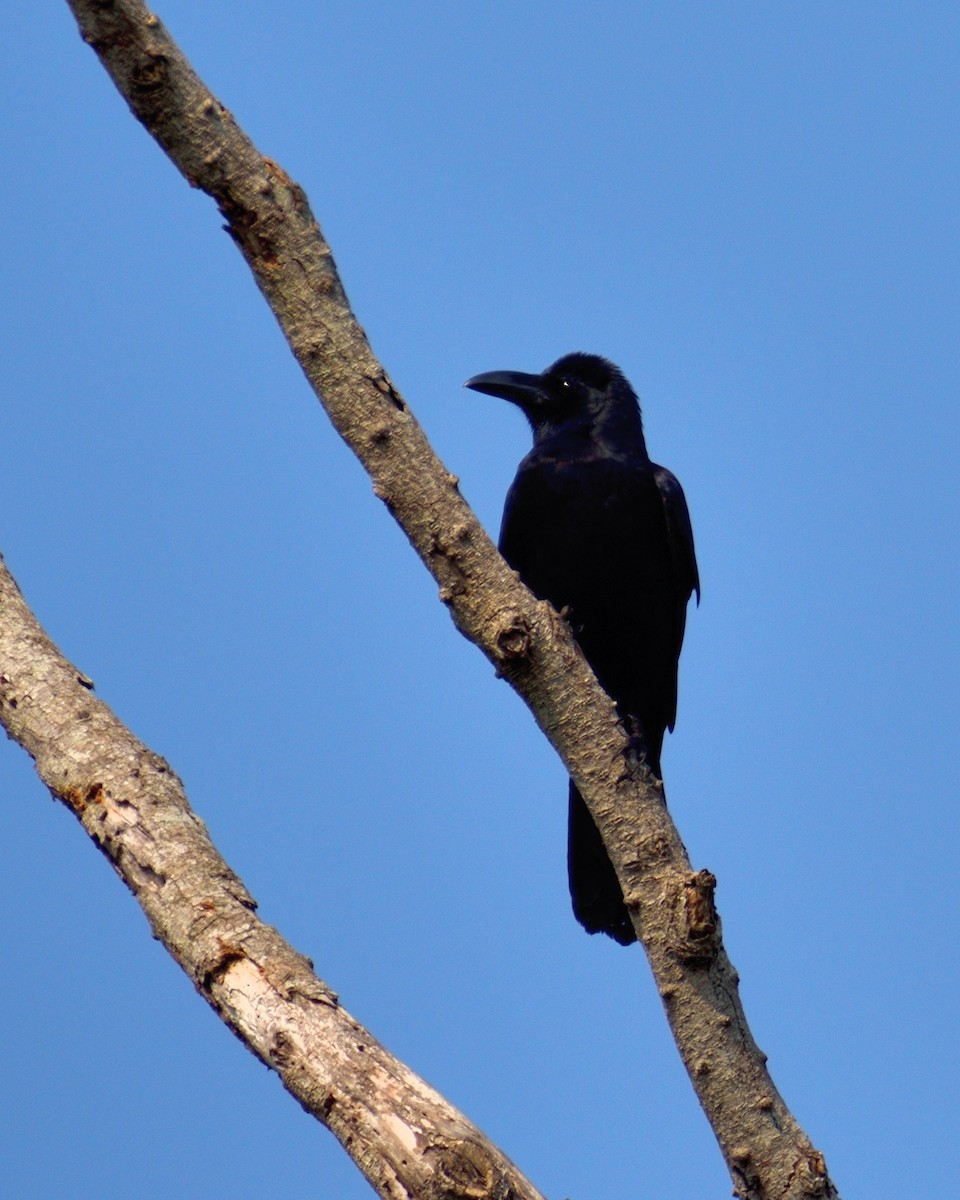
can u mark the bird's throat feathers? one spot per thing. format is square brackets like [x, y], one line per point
[610, 431]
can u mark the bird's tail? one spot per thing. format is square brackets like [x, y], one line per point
[594, 888]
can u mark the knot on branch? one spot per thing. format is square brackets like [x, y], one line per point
[811, 1174]
[512, 638]
[697, 927]
[464, 1169]
[246, 229]
[450, 544]
[282, 1051]
[701, 910]
[745, 1173]
[447, 550]
[150, 73]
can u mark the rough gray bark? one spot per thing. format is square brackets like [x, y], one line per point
[672, 907]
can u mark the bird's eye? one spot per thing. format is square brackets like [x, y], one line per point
[565, 383]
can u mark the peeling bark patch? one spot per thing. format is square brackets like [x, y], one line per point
[7, 688]
[79, 799]
[229, 956]
[386, 388]
[395, 397]
[401, 1131]
[147, 877]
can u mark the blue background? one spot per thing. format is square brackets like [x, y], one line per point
[752, 208]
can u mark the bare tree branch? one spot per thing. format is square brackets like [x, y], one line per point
[672, 907]
[405, 1138]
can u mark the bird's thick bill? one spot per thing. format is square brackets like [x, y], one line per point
[508, 385]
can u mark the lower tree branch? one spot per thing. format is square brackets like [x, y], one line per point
[405, 1138]
[133, 806]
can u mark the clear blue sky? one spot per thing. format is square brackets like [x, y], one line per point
[752, 208]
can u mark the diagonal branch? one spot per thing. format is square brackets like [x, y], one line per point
[406, 1139]
[269, 218]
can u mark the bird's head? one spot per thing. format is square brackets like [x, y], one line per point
[579, 391]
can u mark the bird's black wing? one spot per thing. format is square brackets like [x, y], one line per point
[686, 577]
[679, 533]
[533, 534]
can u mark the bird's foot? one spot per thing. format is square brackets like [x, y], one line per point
[637, 761]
